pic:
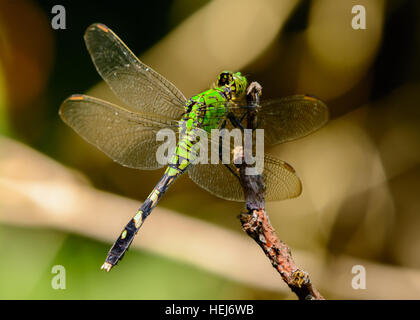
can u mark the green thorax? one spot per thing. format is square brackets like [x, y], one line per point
[205, 110]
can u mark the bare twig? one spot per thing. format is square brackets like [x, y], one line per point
[256, 224]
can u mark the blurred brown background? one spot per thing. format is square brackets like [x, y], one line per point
[62, 202]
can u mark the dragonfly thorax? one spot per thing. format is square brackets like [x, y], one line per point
[205, 110]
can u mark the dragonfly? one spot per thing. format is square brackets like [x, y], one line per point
[127, 134]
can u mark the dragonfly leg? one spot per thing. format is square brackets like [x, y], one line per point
[243, 117]
[235, 121]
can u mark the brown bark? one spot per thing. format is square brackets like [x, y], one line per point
[255, 222]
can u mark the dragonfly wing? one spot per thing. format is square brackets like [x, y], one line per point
[135, 83]
[128, 138]
[222, 179]
[281, 179]
[291, 118]
[218, 180]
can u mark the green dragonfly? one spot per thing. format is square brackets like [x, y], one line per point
[128, 134]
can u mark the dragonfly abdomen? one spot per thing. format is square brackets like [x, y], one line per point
[127, 235]
[178, 164]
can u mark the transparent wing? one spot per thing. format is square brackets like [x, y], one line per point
[222, 180]
[218, 180]
[135, 83]
[291, 118]
[281, 179]
[128, 138]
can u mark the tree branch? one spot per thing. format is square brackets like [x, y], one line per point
[255, 222]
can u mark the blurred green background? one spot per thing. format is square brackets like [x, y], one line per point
[62, 202]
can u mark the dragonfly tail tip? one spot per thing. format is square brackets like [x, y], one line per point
[106, 266]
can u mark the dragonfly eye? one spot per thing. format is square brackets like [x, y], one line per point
[225, 78]
[239, 84]
[234, 83]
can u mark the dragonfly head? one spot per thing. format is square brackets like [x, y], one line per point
[235, 82]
